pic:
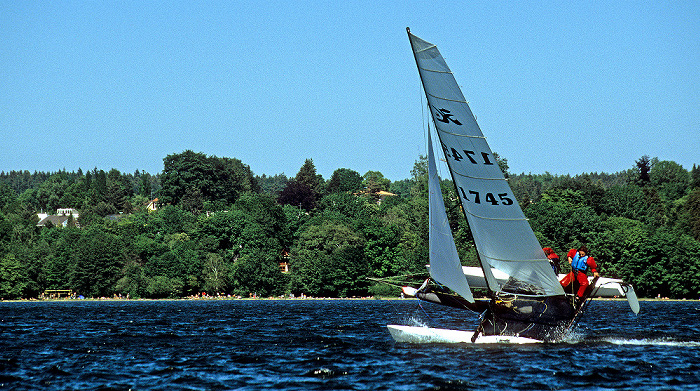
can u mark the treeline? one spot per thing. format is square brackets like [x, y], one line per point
[221, 229]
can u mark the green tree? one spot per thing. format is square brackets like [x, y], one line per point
[419, 178]
[257, 273]
[527, 188]
[298, 194]
[99, 259]
[383, 250]
[100, 186]
[231, 179]
[375, 182]
[13, 278]
[264, 211]
[401, 188]
[643, 169]
[695, 177]
[346, 208]
[56, 253]
[215, 272]
[248, 239]
[75, 194]
[118, 190]
[145, 186]
[193, 201]
[413, 239]
[671, 180]
[161, 287]
[625, 201]
[170, 220]
[272, 185]
[617, 247]
[307, 175]
[344, 180]
[133, 282]
[329, 260]
[220, 231]
[562, 219]
[669, 266]
[219, 180]
[182, 172]
[5, 231]
[179, 259]
[693, 212]
[7, 197]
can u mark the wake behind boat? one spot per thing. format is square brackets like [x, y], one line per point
[526, 303]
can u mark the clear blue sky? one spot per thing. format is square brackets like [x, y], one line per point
[556, 87]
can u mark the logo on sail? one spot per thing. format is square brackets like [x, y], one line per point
[444, 115]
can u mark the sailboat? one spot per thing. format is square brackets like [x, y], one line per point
[525, 303]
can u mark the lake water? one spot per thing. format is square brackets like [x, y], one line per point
[331, 344]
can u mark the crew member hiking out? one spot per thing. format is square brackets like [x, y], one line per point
[580, 263]
[553, 259]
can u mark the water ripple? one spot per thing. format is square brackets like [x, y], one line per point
[332, 344]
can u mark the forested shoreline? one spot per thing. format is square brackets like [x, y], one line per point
[221, 229]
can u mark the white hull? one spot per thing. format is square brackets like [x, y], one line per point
[414, 334]
[604, 287]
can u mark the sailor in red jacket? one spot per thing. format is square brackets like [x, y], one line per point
[580, 263]
[553, 259]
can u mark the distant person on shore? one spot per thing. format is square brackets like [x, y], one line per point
[580, 263]
[553, 259]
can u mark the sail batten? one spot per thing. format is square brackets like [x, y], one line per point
[463, 135]
[451, 100]
[476, 177]
[496, 218]
[428, 48]
[502, 234]
[435, 71]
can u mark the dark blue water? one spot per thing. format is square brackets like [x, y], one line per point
[333, 344]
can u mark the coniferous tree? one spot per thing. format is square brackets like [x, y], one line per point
[643, 168]
[308, 176]
[101, 185]
[145, 188]
[693, 207]
[695, 177]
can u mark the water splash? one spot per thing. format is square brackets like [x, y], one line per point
[417, 322]
[651, 342]
[572, 337]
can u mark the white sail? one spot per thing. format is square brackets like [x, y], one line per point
[502, 234]
[445, 266]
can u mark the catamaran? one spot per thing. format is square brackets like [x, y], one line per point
[525, 303]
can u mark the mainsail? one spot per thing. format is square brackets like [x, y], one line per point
[502, 234]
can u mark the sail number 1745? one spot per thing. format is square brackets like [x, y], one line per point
[493, 199]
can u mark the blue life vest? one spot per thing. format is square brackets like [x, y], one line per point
[579, 263]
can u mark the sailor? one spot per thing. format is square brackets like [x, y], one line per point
[553, 259]
[580, 263]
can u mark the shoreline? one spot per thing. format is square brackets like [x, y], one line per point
[214, 298]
